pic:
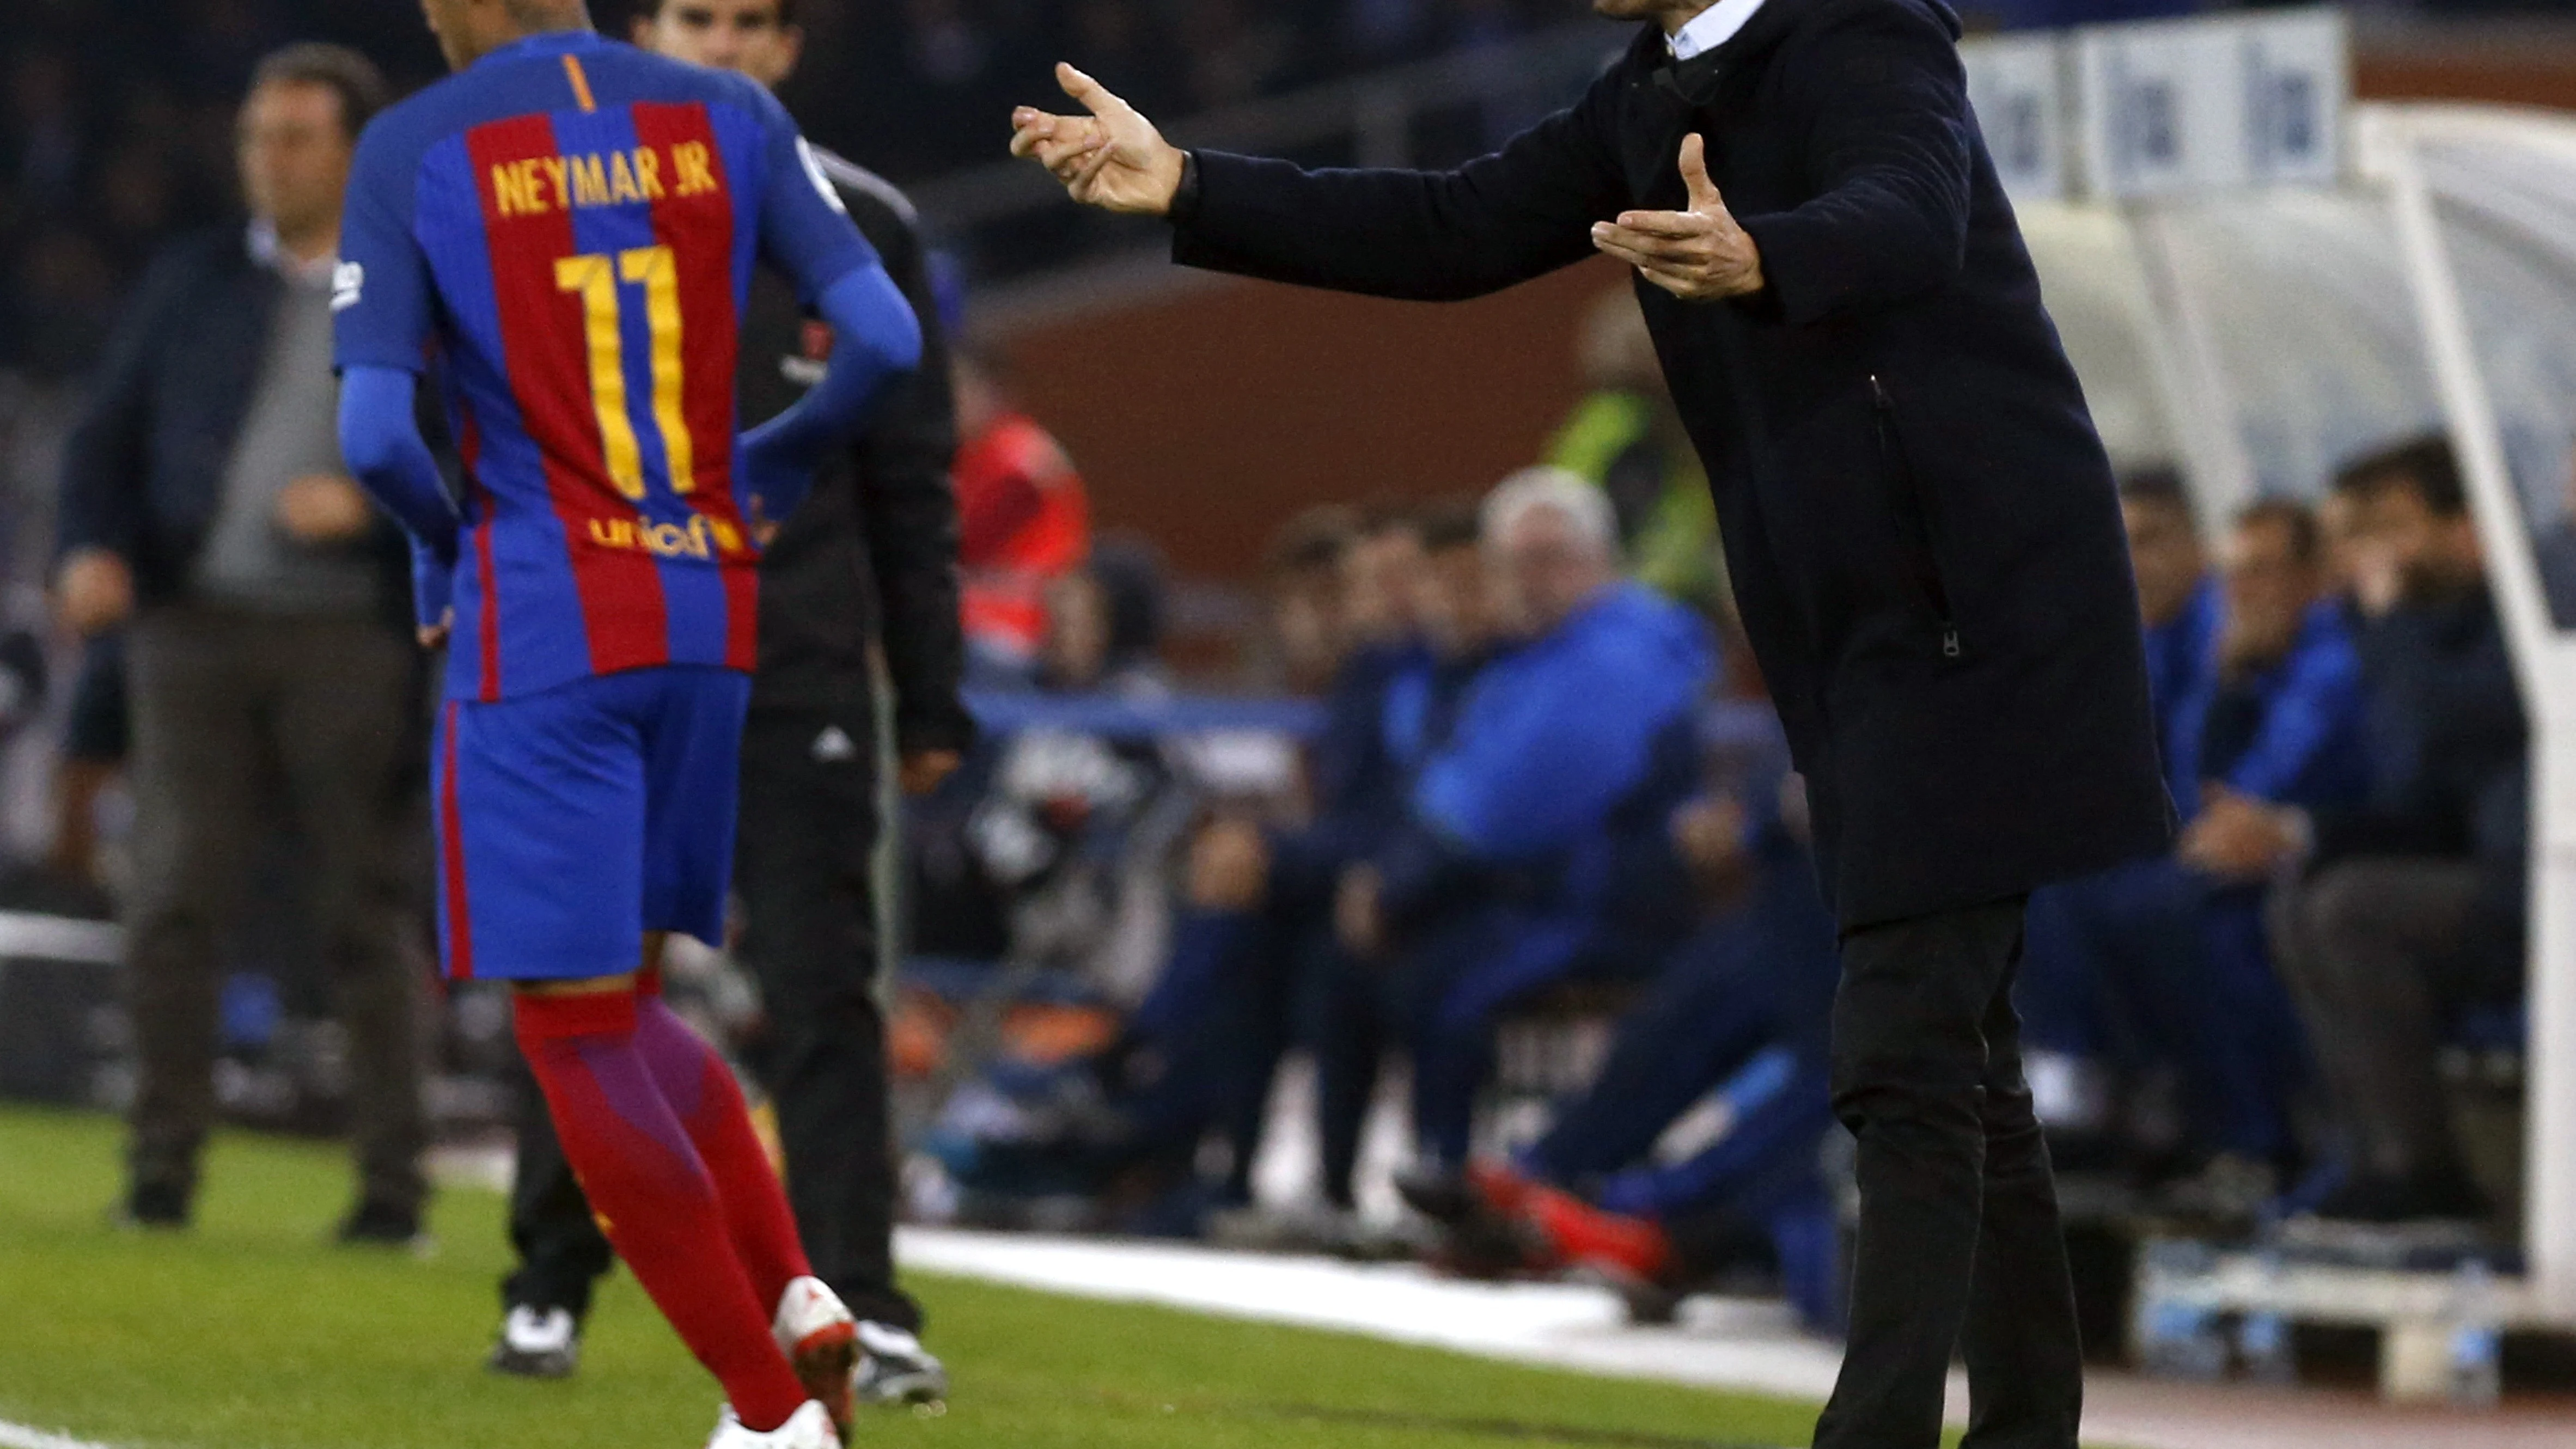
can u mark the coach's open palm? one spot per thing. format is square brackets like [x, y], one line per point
[1113, 158]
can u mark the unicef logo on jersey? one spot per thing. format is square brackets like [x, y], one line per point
[702, 538]
[348, 284]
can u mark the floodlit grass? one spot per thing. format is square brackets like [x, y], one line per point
[252, 1332]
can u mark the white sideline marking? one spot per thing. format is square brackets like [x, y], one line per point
[23, 1436]
[1739, 1344]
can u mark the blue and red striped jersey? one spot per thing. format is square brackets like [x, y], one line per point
[563, 234]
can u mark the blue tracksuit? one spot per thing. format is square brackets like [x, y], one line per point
[1530, 835]
[2155, 961]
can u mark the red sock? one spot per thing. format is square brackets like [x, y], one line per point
[702, 1090]
[654, 1195]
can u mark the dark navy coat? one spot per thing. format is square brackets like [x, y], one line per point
[143, 470]
[1919, 517]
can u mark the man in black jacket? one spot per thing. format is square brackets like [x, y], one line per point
[2410, 904]
[869, 561]
[1924, 543]
[204, 495]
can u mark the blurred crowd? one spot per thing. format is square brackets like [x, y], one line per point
[1542, 859]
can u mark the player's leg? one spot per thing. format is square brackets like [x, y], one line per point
[655, 1196]
[693, 744]
[541, 808]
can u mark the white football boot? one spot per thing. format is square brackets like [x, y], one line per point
[821, 1341]
[808, 1428]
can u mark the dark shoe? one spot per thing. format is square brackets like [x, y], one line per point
[894, 1369]
[382, 1225]
[153, 1207]
[2439, 1197]
[1444, 1196]
[537, 1343]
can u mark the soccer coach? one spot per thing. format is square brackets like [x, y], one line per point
[1926, 551]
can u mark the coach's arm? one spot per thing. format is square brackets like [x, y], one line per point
[1424, 235]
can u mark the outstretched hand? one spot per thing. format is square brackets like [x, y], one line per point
[1699, 255]
[1112, 158]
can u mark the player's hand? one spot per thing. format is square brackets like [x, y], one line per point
[1113, 158]
[767, 477]
[922, 771]
[321, 509]
[434, 636]
[94, 592]
[1699, 255]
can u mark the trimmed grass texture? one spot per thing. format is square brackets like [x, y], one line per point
[253, 1332]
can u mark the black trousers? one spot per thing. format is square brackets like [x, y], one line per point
[222, 697]
[1959, 1245]
[802, 867]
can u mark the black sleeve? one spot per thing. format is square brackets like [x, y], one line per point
[101, 502]
[1502, 219]
[1886, 136]
[908, 509]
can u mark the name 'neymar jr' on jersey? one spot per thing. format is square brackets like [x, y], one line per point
[566, 231]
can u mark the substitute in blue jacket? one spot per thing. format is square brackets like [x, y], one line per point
[1528, 850]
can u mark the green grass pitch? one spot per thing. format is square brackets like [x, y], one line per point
[253, 1333]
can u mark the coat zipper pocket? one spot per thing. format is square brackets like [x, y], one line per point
[1914, 515]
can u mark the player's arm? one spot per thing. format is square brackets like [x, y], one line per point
[385, 319]
[807, 235]
[380, 441]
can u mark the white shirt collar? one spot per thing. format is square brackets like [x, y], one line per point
[1711, 28]
[269, 252]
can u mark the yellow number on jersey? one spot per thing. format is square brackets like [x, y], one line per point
[595, 279]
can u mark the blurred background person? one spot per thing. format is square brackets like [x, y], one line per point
[1024, 521]
[2409, 905]
[1532, 847]
[1627, 436]
[204, 499]
[866, 566]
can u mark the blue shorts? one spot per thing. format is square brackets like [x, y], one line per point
[574, 820]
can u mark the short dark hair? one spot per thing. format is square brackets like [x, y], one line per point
[2425, 465]
[342, 71]
[2159, 486]
[2290, 515]
[1456, 523]
[652, 10]
[1313, 540]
